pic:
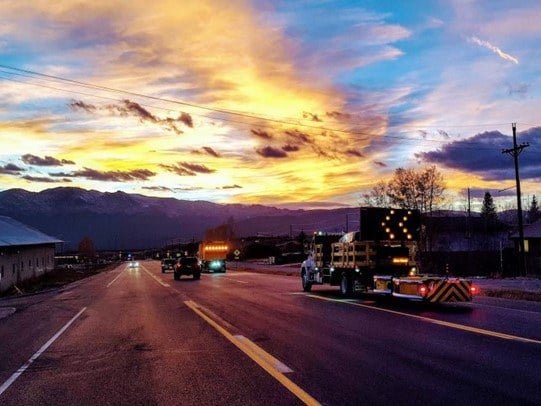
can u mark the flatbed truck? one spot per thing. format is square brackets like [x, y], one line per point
[379, 259]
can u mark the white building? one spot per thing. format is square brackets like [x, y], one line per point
[25, 253]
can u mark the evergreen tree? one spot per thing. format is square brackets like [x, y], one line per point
[488, 212]
[533, 212]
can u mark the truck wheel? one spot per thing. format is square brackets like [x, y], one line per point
[196, 275]
[345, 285]
[176, 276]
[306, 285]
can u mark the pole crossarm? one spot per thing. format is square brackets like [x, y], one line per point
[516, 150]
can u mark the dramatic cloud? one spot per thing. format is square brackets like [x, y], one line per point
[261, 134]
[129, 108]
[299, 136]
[108, 176]
[179, 170]
[290, 148]
[188, 169]
[42, 179]
[10, 169]
[354, 152]
[30, 159]
[211, 152]
[270, 152]
[206, 151]
[482, 154]
[231, 187]
[338, 115]
[494, 49]
[380, 164]
[80, 105]
[310, 116]
[196, 167]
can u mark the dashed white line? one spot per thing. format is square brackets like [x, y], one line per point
[23, 368]
[114, 280]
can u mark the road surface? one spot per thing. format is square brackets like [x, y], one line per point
[137, 337]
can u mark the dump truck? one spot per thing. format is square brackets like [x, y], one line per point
[380, 259]
[212, 256]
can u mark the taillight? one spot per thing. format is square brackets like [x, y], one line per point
[474, 290]
[423, 290]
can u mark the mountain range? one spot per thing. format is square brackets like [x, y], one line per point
[119, 221]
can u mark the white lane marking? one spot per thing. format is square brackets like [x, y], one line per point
[114, 280]
[269, 359]
[154, 277]
[21, 370]
[234, 280]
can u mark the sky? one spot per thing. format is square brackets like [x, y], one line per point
[304, 104]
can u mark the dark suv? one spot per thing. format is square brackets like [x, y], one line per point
[168, 264]
[187, 266]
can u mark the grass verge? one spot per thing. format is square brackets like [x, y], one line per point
[54, 279]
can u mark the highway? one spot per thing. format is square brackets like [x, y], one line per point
[137, 337]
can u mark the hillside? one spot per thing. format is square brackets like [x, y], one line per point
[128, 221]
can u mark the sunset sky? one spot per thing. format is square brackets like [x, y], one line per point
[293, 103]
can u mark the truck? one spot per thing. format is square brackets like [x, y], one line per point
[379, 259]
[212, 255]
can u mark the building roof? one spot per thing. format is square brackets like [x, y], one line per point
[13, 232]
[531, 231]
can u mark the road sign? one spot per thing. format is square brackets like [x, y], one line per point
[236, 253]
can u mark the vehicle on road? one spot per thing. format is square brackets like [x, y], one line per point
[133, 264]
[379, 259]
[168, 264]
[187, 266]
[212, 255]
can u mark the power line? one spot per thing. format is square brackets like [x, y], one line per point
[252, 116]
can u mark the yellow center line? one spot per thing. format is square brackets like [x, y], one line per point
[438, 322]
[256, 354]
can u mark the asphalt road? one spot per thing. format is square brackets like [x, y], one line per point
[137, 337]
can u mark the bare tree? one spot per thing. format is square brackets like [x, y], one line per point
[411, 189]
[378, 196]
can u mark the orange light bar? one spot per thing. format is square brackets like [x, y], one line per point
[216, 248]
[401, 261]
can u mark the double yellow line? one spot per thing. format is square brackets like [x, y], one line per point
[266, 361]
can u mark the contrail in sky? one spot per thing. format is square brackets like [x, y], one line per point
[494, 49]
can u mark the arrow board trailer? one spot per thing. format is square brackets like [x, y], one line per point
[379, 259]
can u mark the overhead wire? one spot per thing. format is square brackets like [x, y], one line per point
[10, 70]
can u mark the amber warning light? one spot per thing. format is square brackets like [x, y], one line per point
[216, 248]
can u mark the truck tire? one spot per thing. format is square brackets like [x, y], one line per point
[196, 275]
[176, 276]
[306, 284]
[346, 285]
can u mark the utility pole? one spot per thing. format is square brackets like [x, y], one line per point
[469, 221]
[515, 152]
